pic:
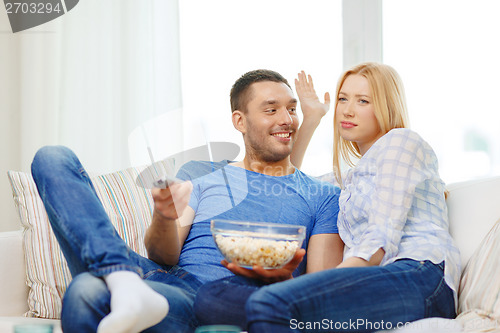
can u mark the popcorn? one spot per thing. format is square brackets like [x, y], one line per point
[247, 251]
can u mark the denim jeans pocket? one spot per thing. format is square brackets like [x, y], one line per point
[441, 303]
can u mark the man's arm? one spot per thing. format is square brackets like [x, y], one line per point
[172, 220]
[324, 251]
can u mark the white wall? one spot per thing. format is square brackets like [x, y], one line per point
[9, 122]
[28, 67]
[86, 80]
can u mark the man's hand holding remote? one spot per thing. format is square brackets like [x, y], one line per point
[171, 201]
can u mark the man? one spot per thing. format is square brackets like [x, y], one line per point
[107, 293]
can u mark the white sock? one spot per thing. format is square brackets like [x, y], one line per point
[134, 305]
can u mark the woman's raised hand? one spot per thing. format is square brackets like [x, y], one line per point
[311, 106]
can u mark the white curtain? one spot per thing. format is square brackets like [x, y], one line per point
[86, 80]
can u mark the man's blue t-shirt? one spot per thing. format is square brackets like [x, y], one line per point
[223, 191]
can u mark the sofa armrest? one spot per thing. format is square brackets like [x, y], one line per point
[14, 299]
[473, 209]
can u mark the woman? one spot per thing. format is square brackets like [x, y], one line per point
[400, 262]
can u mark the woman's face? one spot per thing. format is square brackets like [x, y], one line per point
[355, 113]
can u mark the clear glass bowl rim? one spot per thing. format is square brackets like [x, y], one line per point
[292, 229]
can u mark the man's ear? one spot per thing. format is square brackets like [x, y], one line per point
[239, 121]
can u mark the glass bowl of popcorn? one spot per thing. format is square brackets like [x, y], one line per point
[270, 245]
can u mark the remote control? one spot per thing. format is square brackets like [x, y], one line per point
[165, 181]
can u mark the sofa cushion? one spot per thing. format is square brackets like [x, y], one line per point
[47, 275]
[479, 293]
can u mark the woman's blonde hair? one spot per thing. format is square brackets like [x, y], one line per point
[389, 103]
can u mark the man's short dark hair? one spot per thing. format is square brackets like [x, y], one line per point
[240, 91]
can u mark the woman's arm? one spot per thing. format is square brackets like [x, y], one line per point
[313, 110]
[375, 260]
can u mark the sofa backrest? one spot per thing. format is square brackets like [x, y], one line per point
[473, 209]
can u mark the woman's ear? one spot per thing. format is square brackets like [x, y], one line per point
[239, 121]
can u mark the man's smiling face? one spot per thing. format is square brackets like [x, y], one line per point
[270, 121]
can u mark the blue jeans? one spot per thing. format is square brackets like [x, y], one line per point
[223, 301]
[404, 291]
[352, 299]
[93, 248]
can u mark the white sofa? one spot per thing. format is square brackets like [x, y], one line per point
[13, 289]
[474, 207]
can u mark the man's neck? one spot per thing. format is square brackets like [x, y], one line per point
[280, 168]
